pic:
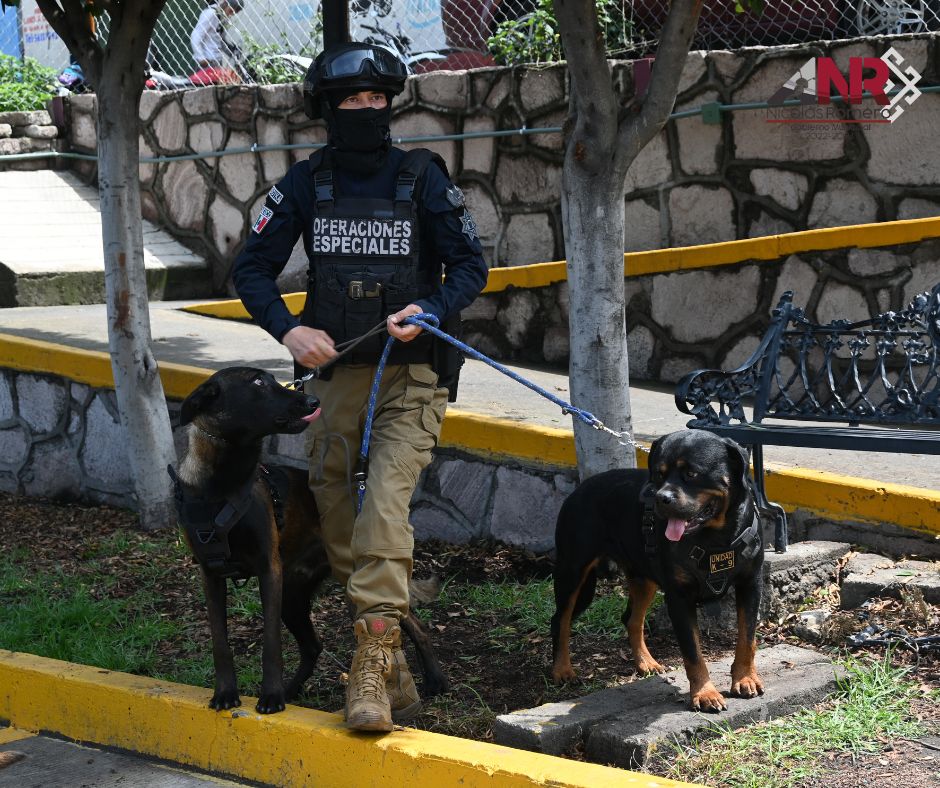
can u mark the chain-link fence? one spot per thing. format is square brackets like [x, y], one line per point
[273, 40]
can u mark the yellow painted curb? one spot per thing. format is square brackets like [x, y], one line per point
[91, 367]
[662, 261]
[298, 747]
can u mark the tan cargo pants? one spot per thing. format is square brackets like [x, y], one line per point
[371, 553]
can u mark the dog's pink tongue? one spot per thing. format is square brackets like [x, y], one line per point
[312, 416]
[675, 529]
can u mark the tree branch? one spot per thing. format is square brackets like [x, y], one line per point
[593, 106]
[674, 41]
[71, 23]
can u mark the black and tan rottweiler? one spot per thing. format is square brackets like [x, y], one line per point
[689, 526]
[242, 519]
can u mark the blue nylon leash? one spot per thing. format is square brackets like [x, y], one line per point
[429, 323]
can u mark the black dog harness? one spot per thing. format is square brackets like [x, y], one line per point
[209, 521]
[711, 570]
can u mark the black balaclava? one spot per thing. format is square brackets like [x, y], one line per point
[360, 138]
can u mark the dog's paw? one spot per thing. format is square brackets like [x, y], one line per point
[270, 702]
[562, 674]
[225, 699]
[649, 665]
[708, 698]
[749, 686]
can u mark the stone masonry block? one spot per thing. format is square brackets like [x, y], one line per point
[53, 470]
[841, 302]
[787, 189]
[6, 130]
[642, 227]
[200, 101]
[14, 447]
[528, 239]
[516, 315]
[842, 203]
[903, 152]
[798, 276]
[868, 576]
[42, 402]
[523, 179]
[238, 171]
[169, 128]
[187, 192]
[541, 88]
[443, 89]
[6, 398]
[103, 454]
[651, 167]
[525, 508]
[874, 262]
[701, 215]
[677, 304]
[468, 487]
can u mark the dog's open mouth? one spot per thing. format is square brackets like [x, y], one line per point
[296, 423]
[677, 528]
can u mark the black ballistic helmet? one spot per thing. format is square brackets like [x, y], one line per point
[353, 67]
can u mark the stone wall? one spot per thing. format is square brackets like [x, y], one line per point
[27, 132]
[695, 183]
[710, 317]
[61, 439]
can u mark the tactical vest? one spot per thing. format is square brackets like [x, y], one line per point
[365, 262]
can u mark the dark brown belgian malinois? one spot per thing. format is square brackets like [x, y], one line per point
[242, 519]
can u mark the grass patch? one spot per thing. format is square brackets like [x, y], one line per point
[872, 706]
[55, 616]
[526, 609]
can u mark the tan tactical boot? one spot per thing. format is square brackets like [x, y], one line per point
[400, 686]
[367, 706]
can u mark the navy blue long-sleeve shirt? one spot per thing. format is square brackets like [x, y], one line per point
[448, 239]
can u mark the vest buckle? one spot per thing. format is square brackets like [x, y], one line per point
[357, 289]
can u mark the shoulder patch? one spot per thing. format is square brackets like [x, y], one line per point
[263, 218]
[469, 227]
[455, 195]
[275, 195]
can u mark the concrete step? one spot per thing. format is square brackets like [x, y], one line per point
[625, 725]
[51, 250]
[868, 575]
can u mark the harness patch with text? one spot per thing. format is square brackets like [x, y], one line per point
[263, 218]
[371, 237]
[720, 562]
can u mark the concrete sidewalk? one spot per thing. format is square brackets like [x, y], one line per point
[67, 264]
[187, 338]
[44, 762]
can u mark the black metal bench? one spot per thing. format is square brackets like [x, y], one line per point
[874, 376]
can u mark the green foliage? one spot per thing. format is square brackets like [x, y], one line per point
[872, 706]
[24, 85]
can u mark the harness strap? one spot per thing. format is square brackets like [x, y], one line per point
[748, 542]
[207, 524]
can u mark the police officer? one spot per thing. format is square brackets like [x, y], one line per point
[379, 226]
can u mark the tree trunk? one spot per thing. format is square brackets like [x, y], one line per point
[148, 437]
[592, 215]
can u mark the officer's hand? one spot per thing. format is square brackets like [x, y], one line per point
[404, 333]
[310, 347]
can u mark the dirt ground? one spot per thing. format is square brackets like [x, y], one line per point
[493, 663]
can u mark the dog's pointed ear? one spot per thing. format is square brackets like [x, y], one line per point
[739, 459]
[197, 401]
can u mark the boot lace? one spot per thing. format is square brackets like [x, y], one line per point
[374, 664]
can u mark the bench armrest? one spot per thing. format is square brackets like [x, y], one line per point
[696, 392]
